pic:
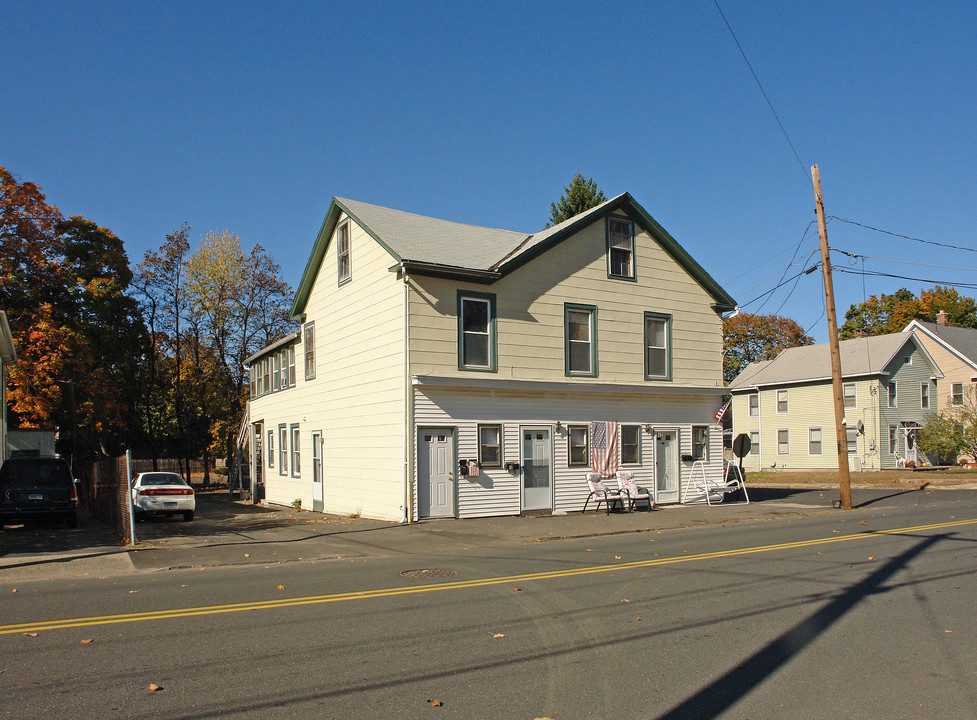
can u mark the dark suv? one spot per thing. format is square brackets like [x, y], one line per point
[37, 486]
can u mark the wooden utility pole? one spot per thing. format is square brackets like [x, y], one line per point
[836, 386]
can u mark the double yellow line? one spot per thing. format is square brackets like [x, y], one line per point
[458, 585]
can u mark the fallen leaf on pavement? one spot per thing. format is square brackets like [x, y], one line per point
[14, 590]
[30, 634]
[435, 703]
[87, 640]
[281, 587]
[617, 557]
[153, 687]
[498, 636]
[871, 557]
[864, 523]
[247, 554]
[133, 591]
[638, 619]
[627, 601]
[517, 589]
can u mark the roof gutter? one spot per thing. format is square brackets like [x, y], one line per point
[485, 277]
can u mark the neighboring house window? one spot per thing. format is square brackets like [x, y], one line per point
[893, 439]
[296, 465]
[578, 445]
[700, 442]
[924, 396]
[848, 390]
[342, 253]
[620, 248]
[282, 450]
[781, 401]
[309, 343]
[851, 435]
[275, 371]
[754, 404]
[476, 332]
[814, 441]
[291, 366]
[271, 448]
[893, 394]
[253, 377]
[754, 443]
[956, 393]
[266, 374]
[658, 331]
[630, 444]
[580, 331]
[783, 442]
[490, 445]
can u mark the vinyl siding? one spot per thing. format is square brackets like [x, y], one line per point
[357, 396]
[954, 370]
[908, 378]
[498, 492]
[530, 310]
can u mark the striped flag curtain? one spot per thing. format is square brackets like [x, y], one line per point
[603, 448]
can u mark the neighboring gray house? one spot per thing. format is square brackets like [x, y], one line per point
[786, 405]
[8, 356]
[954, 349]
[449, 370]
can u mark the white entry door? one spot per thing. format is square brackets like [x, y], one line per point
[537, 469]
[666, 466]
[435, 472]
[317, 490]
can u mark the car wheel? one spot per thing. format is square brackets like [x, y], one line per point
[188, 515]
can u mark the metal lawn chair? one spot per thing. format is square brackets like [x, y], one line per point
[628, 487]
[599, 490]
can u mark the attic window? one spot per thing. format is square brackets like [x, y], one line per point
[342, 253]
[620, 248]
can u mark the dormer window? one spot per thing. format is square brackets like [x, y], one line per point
[620, 248]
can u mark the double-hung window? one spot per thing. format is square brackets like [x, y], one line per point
[476, 332]
[490, 446]
[344, 267]
[630, 444]
[700, 442]
[783, 442]
[782, 403]
[848, 391]
[578, 449]
[893, 439]
[291, 366]
[620, 248]
[296, 465]
[275, 372]
[580, 332]
[282, 450]
[308, 340]
[851, 438]
[814, 441]
[658, 332]
[956, 393]
[924, 396]
[271, 448]
[754, 443]
[754, 404]
[893, 394]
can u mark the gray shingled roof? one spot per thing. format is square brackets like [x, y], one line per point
[425, 239]
[859, 357]
[963, 340]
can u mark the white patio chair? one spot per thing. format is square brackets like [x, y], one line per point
[599, 490]
[628, 487]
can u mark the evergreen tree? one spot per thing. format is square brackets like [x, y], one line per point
[581, 194]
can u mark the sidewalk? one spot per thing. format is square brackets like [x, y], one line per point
[226, 532]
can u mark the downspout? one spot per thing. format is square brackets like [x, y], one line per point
[759, 419]
[408, 516]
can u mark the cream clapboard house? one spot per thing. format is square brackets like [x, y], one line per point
[447, 370]
[8, 356]
[786, 405]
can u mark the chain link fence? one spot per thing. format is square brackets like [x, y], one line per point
[103, 490]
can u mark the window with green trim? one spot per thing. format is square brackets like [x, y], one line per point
[476, 332]
[580, 328]
[658, 331]
[344, 264]
[620, 248]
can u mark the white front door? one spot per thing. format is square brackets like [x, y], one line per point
[537, 469]
[317, 492]
[435, 472]
[666, 466]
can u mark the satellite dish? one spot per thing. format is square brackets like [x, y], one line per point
[861, 427]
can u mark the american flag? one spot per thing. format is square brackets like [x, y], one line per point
[603, 448]
[722, 411]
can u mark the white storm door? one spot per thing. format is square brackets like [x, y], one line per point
[317, 491]
[435, 472]
[537, 469]
[666, 466]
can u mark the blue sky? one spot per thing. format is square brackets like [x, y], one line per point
[250, 117]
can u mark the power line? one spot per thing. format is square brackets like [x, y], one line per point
[760, 85]
[859, 256]
[875, 273]
[905, 237]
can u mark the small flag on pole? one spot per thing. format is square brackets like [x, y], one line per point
[722, 411]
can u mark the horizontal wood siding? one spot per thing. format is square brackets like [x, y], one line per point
[908, 377]
[530, 309]
[954, 370]
[497, 491]
[357, 396]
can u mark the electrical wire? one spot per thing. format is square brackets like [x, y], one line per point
[905, 237]
[858, 256]
[777, 312]
[875, 273]
[792, 258]
[804, 169]
[777, 287]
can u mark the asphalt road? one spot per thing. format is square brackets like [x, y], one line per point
[865, 614]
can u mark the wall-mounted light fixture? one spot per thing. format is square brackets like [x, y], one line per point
[559, 426]
[648, 429]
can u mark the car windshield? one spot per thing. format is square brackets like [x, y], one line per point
[161, 479]
[35, 473]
